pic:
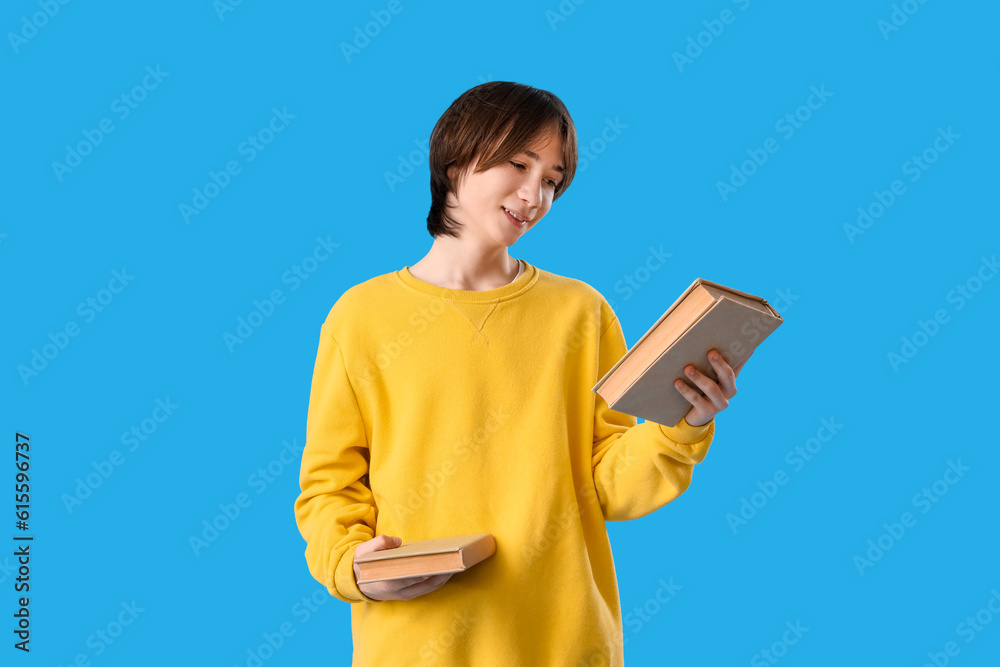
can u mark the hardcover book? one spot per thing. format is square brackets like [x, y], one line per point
[706, 316]
[423, 558]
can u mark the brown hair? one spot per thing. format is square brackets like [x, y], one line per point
[493, 121]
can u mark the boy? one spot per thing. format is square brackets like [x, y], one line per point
[453, 397]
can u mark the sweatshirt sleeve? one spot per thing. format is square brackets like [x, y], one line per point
[335, 511]
[639, 468]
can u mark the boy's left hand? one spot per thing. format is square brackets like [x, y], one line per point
[716, 394]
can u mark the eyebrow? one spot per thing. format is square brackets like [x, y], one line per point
[533, 156]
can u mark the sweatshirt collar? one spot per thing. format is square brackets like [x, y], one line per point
[521, 284]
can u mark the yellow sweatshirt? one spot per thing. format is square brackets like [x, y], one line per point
[436, 412]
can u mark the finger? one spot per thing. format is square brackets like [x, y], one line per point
[708, 386]
[377, 543]
[726, 374]
[422, 587]
[692, 396]
[390, 589]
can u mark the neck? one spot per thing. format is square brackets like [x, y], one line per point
[465, 265]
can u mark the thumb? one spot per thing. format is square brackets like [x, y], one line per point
[389, 542]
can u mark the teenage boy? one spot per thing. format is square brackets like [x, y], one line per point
[453, 397]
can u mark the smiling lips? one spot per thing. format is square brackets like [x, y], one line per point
[514, 218]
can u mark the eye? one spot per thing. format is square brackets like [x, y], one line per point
[521, 166]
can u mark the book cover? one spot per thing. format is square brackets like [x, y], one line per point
[707, 315]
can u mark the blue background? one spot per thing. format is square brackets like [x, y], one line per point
[850, 301]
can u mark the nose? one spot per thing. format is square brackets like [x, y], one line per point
[531, 194]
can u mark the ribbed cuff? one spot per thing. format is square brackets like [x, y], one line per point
[685, 434]
[344, 580]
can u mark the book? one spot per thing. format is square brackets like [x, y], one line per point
[707, 315]
[422, 558]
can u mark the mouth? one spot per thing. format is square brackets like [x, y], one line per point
[517, 222]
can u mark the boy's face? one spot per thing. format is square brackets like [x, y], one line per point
[524, 186]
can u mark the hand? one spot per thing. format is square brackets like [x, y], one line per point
[394, 589]
[717, 394]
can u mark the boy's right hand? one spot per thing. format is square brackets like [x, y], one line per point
[394, 589]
